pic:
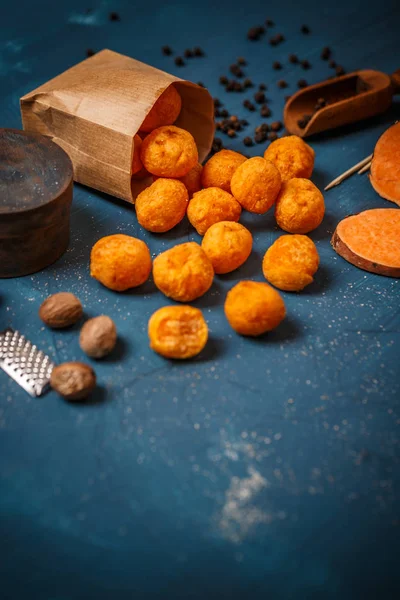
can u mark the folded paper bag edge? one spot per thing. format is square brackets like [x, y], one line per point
[74, 131]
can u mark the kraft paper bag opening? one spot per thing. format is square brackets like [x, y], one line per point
[94, 110]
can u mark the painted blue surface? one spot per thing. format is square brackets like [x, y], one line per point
[263, 469]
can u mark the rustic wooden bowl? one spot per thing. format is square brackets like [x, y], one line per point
[35, 200]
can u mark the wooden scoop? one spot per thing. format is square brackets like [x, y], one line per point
[350, 98]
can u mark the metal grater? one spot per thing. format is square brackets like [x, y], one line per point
[22, 361]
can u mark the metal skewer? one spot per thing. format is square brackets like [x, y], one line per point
[349, 172]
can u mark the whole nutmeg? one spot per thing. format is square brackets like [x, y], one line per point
[61, 310]
[98, 336]
[73, 380]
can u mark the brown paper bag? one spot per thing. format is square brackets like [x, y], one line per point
[94, 109]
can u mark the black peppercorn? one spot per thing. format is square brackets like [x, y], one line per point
[340, 70]
[276, 126]
[198, 51]
[247, 83]
[325, 53]
[188, 53]
[303, 122]
[90, 52]
[269, 23]
[247, 141]
[305, 29]
[224, 113]
[293, 59]
[241, 61]
[281, 84]
[223, 80]
[262, 87]
[166, 50]
[277, 65]
[260, 137]
[179, 61]
[247, 104]
[305, 64]
[259, 97]
[272, 136]
[201, 84]
[302, 83]
[265, 111]
[114, 16]
[332, 64]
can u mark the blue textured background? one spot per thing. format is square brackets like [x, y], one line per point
[264, 468]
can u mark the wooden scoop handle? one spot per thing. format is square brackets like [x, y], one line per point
[395, 79]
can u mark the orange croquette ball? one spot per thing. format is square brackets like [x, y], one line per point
[256, 184]
[191, 181]
[162, 205]
[290, 263]
[136, 162]
[218, 170]
[184, 272]
[169, 152]
[120, 262]
[210, 206]
[291, 156]
[253, 308]
[300, 206]
[165, 111]
[178, 331]
[227, 245]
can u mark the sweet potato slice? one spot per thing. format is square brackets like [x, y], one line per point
[385, 167]
[371, 241]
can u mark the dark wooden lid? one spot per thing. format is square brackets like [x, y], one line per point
[34, 171]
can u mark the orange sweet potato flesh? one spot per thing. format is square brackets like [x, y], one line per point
[385, 167]
[371, 241]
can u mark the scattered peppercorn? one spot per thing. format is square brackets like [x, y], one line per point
[276, 126]
[189, 53]
[90, 52]
[223, 80]
[260, 137]
[293, 59]
[340, 70]
[332, 64]
[231, 133]
[230, 86]
[237, 86]
[262, 87]
[247, 83]
[114, 16]
[321, 102]
[326, 53]
[247, 141]
[217, 102]
[276, 39]
[166, 50]
[277, 65]
[224, 113]
[305, 29]
[179, 61]
[303, 122]
[281, 84]
[217, 113]
[269, 23]
[217, 144]
[247, 104]
[305, 64]
[255, 33]
[259, 97]
[241, 61]
[201, 84]
[197, 51]
[287, 98]
[272, 136]
[265, 111]
[236, 70]
[243, 122]
[302, 83]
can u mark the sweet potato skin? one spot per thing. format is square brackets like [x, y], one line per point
[341, 243]
[385, 167]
